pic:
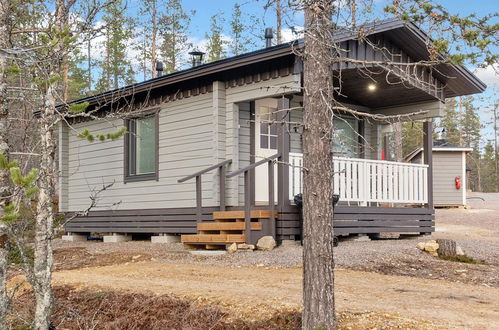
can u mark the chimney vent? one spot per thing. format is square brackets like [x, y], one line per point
[268, 37]
[196, 57]
[159, 68]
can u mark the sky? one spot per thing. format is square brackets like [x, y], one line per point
[205, 9]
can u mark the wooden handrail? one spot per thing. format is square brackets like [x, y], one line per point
[247, 194]
[252, 166]
[199, 196]
[225, 162]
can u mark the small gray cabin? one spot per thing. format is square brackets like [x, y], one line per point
[211, 153]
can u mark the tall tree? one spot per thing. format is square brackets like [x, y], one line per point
[240, 42]
[450, 123]
[148, 48]
[116, 67]
[5, 6]
[216, 44]
[318, 262]
[173, 27]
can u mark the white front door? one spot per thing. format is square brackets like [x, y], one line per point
[265, 146]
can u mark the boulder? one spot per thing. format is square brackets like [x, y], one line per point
[245, 246]
[232, 248]
[459, 251]
[266, 243]
[421, 245]
[431, 246]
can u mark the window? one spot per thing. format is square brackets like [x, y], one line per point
[346, 137]
[268, 132]
[141, 148]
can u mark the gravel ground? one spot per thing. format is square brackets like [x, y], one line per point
[476, 230]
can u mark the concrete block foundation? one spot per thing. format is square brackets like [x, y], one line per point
[117, 238]
[72, 237]
[165, 238]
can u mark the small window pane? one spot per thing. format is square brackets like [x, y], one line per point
[264, 128]
[273, 129]
[273, 142]
[145, 137]
[264, 141]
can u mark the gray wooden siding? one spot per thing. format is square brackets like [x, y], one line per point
[63, 147]
[244, 144]
[447, 166]
[185, 146]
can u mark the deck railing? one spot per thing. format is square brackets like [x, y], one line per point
[366, 181]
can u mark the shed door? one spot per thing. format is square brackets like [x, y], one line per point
[265, 146]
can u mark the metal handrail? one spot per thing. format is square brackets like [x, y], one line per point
[199, 196]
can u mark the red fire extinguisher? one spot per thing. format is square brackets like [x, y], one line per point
[458, 182]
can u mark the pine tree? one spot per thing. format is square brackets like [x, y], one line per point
[116, 67]
[412, 136]
[78, 85]
[488, 168]
[240, 40]
[173, 27]
[470, 124]
[148, 46]
[450, 123]
[216, 44]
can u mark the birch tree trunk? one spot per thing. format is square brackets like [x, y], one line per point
[4, 149]
[318, 277]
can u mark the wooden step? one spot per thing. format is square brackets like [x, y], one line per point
[255, 214]
[227, 226]
[208, 239]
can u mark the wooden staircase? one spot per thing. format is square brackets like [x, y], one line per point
[228, 227]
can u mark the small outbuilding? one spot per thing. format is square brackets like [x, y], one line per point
[449, 172]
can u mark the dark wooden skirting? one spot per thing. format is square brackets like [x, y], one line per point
[347, 220]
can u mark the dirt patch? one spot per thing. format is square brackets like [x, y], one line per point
[434, 268]
[80, 257]
[255, 293]
[77, 309]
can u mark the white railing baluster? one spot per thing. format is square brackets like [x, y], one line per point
[366, 180]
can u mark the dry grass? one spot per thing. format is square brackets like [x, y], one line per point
[76, 309]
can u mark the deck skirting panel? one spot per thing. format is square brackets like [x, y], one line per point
[347, 220]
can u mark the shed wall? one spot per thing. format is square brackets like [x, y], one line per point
[446, 167]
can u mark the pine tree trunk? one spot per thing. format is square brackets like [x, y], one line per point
[44, 218]
[154, 57]
[278, 11]
[4, 149]
[318, 277]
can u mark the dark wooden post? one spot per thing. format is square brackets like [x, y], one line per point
[428, 158]
[199, 199]
[271, 199]
[247, 206]
[283, 145]
[222, 173]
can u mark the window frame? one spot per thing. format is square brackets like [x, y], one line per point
[127, 175]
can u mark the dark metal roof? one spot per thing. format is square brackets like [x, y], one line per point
[411, 38]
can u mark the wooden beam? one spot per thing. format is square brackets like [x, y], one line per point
[283, 146]
[428, 158]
